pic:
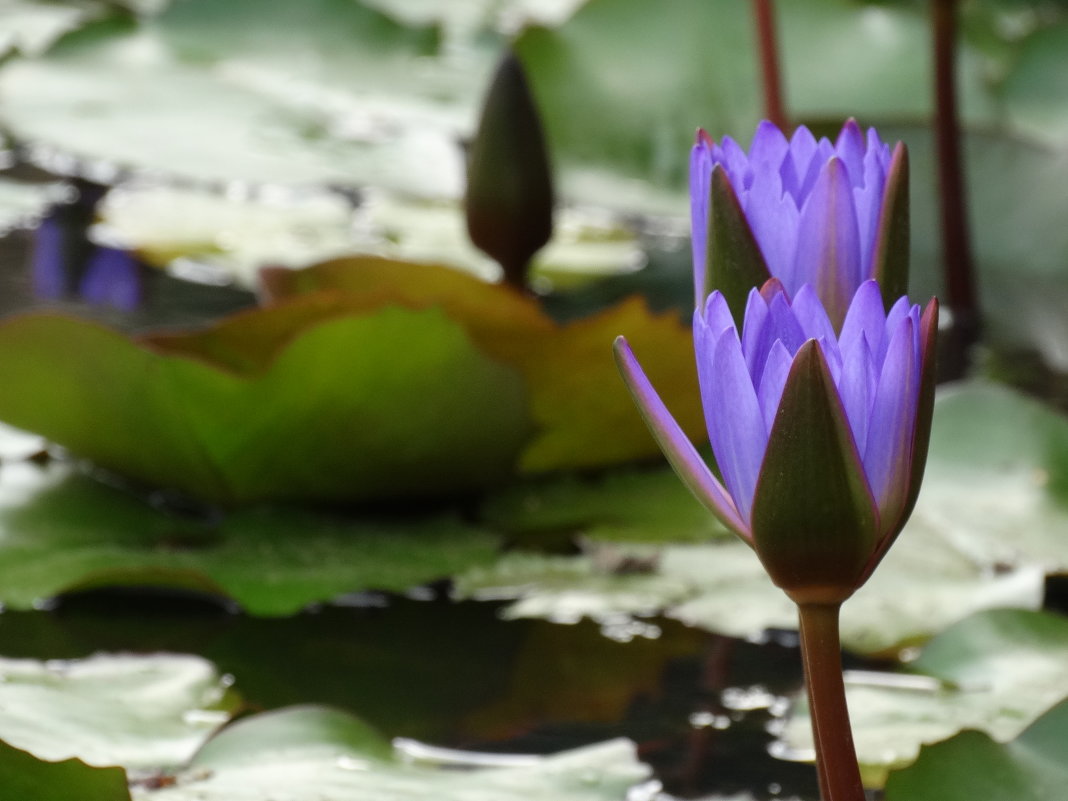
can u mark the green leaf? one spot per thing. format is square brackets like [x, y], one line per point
[972, 765]
[324, 91]
[337, 412]
[134, 711]
[27, 778]
[996, 671]
[61, 532]
[314, 751]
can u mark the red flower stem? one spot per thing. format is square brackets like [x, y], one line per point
[821, 651]
[960, 282]
[767, 42]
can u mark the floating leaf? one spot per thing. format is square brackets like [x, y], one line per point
[324, 91]
[996, 671]
[134, 711]
[61, 532]
[26, 777]
[300, 751]
[337, 412]
[581, 411]
[972, 765]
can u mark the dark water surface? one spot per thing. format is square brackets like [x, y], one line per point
[454, 674]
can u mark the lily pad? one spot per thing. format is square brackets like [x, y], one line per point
[26, 777]
[62, 532]
[291, 753]
[31, 26]
[134, 711]
[581, 411]
[972, 765]
[337, 412]
[997, 671]
[23, 204]
[325, 91]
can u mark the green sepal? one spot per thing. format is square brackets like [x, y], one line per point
[890, 260]
[814, 521]
[733, 261]
[509, 199]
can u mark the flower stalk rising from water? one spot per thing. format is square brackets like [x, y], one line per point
[821, 439]
[802, 210]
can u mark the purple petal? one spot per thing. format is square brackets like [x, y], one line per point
[865, 318]
[851, 148]
[736, 429]
[828, 242]
[773, 218]
[680, 452]
[772, 380]
[700, 179]
[887, 454]
[811, 315]
[756, 336]
[857, 388]
[898, 312]
[716, 313]
[768, 149]
[869, 203]
[783, 325]
[796, 164]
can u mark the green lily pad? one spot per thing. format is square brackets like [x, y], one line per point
[31, 26]
[336, 412]
[997, 672]
[27, 777]
[1016, 206]
[1035, 91]
[227, 238]
[133, 711]
[326, 91]
[300, 751]
[61, 532]
[972, 765]
[580, 408]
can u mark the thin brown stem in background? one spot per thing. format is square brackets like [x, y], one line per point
[768, 44]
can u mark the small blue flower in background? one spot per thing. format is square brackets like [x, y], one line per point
[828, 215]
[820, 437]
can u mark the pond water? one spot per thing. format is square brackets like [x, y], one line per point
[699, 706]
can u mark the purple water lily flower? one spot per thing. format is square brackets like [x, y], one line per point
[820, 437]
[802, 210]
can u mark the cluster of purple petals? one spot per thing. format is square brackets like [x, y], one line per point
[875, 363]
[813, 206]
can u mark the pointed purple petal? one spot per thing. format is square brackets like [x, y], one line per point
[857, 388]
[851, 148]
[700, 178]
[866, 318]
[811, 315]
[772, 381]
[755, 338]
[828, 242]
[768, 149]
[773, 218]
[888, 452]
[736, 428]
[680, 452]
